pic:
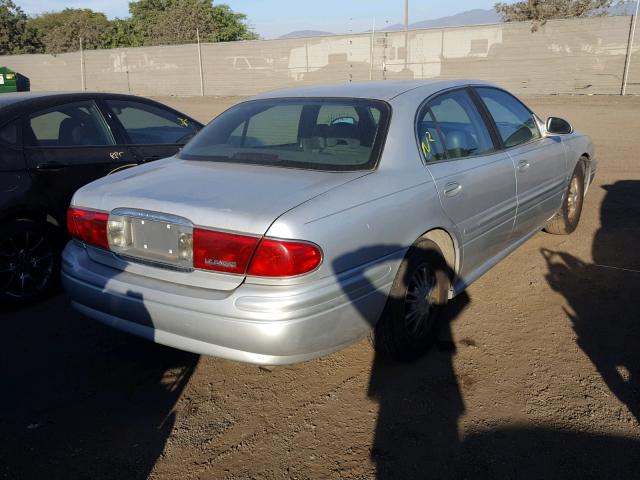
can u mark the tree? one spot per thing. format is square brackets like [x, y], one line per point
[123, 34]
[144, 15]
[152, 22]
[230, 25]
[61, 31]
[178, 22]
[539, 11]
[16, 36]
[155, 22]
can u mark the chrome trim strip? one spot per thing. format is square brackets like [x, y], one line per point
[152, 216]
[154, 263]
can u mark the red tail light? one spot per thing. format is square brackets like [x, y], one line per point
[282, 258]
[240, 254]
[218, 251]
[222, 252]
[88, 226]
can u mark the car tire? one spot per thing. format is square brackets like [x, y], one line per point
[568, 217]
[410, 321]
[29, 261]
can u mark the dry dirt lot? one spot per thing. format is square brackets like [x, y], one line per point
[535, 375]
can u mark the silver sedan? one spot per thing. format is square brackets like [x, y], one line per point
[299, 221]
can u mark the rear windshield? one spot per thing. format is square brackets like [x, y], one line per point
[308, 133]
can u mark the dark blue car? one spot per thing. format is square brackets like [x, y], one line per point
[51, 144]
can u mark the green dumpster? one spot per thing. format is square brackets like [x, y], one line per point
[11, 81]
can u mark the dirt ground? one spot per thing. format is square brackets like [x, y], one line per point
[535, 375]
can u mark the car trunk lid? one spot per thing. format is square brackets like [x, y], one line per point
[221, 196]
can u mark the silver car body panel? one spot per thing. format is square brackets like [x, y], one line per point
[485, 222]
[540, 168]
[237, 198]
[364, 222]
[253, 323]
[230, 197]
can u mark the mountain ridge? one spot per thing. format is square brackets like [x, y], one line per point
[476, 16]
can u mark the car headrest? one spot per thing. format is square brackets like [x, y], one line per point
[320, 131]
[77, 131]
[456, 139]
[458, 143]
[68, 131]
[342, 134]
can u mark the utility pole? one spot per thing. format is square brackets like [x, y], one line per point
[406, 33]
[82, 77]
[634, 21]
[200, 63]
[406, 14]
[371, 47]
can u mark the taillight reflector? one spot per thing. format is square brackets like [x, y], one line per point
[88, 226]
[222, 252]
[283, 258]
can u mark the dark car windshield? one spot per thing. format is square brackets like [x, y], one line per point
[308, 133]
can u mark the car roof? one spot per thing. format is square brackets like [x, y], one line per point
[377, 90]
[15, 104]
[17, 97]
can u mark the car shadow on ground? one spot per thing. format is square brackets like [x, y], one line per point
[417, 433]
[81, 400]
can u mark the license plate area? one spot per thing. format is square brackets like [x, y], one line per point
[151, 237]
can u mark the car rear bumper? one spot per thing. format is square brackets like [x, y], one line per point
[260, 324]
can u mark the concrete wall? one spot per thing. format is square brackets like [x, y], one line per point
[585, 56]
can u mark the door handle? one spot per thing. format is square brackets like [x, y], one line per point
[452, 189]
[51, 166]
[523, 165]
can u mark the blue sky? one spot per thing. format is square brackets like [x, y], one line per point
[272, 18]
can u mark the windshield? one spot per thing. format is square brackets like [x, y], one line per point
[308, 133]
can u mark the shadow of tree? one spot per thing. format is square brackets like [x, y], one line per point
[605, 296]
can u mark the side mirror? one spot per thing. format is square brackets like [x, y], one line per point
[558, 126]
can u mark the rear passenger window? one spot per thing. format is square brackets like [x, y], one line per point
[70, 125]
[459, 124]
[150, 125]
[430, 139]
[516, 124]
[11, 158]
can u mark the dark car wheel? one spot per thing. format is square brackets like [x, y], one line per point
[29, 261]
[409, 323]
[567, 218]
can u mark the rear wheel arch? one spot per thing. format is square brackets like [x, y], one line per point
[24, 214]
[410, 320]
[35, 215]
[448, 246]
